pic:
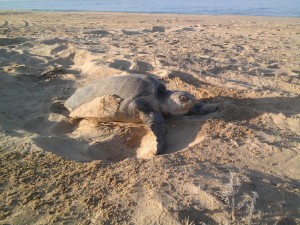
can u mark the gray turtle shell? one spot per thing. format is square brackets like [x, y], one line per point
[127, 87]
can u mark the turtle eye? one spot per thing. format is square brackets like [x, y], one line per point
[183, 98]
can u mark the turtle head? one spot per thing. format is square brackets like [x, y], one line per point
[179, 103]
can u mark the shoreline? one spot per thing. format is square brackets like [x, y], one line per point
[147, 13]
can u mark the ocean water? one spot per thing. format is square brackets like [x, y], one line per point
[290, 8]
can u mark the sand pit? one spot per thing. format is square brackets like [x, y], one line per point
[239, 165]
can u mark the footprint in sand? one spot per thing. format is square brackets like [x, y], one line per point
[131, 32]
[5, 24]
[98, 32]
[120, 64]
[141, 66]
[27, 24]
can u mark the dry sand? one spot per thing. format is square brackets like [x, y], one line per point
[239, 165]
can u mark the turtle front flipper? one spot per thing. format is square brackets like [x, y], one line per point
[154, 120]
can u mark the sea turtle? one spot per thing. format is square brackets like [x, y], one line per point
[131, 98]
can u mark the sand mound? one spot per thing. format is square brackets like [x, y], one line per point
[102, 107]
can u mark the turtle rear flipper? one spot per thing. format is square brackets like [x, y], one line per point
[154, 120]
[59, 108]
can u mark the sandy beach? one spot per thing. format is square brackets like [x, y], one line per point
[239, 165]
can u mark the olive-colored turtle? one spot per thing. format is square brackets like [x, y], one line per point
[130, 98]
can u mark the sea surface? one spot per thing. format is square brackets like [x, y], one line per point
[290, 8]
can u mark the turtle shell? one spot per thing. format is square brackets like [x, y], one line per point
[104, 97]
